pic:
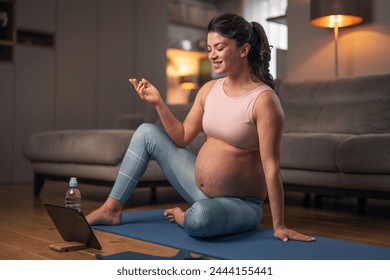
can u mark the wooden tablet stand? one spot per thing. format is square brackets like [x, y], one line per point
[67, 246]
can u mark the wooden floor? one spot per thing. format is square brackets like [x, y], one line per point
[26, 230]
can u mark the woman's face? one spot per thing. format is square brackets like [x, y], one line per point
[224, 54]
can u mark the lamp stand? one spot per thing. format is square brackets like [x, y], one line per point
[336, 55]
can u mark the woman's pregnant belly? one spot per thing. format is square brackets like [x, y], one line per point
[224, 170]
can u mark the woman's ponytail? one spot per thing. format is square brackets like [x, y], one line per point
[260, 55]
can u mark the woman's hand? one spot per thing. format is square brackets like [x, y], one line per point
[285, 234]
[146, 91]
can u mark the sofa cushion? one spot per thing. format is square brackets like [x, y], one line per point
[310, 151]
[296, 178]
[180, 111]
[98, 172]
[128, 121]
[368, 153]
[102, 146]
[356, 105]
[198, 142]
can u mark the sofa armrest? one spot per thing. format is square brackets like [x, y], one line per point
[129, 121]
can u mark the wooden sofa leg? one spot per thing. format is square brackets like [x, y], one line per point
[306, 200]
[38, 183]
[153, 195]
[318, 201]
[362, 201]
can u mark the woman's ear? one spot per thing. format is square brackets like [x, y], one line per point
[245, 49]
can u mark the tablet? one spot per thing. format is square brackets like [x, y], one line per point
[72, 225]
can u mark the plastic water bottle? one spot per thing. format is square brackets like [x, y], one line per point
[73, 195]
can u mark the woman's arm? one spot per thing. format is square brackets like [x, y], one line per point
[269, 120]
[181, 133]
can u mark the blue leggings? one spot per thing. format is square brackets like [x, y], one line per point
[207, 217]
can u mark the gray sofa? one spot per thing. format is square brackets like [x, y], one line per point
[94, 156]
[336, 141]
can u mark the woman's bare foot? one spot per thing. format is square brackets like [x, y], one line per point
[110, 213]
[175, 215]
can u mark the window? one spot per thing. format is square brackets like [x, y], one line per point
[260, 11]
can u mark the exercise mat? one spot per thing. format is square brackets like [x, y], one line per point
[260, 244]
[130, 255]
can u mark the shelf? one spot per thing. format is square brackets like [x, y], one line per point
[35, 38]
[190, 13]
[193, 53]
[279, 19]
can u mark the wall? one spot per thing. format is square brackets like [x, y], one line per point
[82, 81]
[363, 49]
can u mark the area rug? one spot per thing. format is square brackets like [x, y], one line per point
[259, 244]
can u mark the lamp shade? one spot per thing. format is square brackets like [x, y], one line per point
[335, 13]
[188, 82]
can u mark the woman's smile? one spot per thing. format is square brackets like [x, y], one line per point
[216, 64]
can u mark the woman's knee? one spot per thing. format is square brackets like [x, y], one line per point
[147, 133]
[221, 216]
[205, 218]
[146, 129]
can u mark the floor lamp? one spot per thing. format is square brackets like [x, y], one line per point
[335, 14]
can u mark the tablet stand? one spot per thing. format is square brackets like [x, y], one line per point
[67, 246]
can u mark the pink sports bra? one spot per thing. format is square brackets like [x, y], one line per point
[230, 118]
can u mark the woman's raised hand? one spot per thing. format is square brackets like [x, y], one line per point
[146, 91]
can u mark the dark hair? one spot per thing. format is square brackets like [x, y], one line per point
[237, 28]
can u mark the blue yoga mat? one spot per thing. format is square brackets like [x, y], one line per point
[260, 244]
[129, 255]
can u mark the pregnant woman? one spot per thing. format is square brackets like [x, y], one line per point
[238, 165]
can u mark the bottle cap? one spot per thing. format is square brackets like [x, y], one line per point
[73, 182]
